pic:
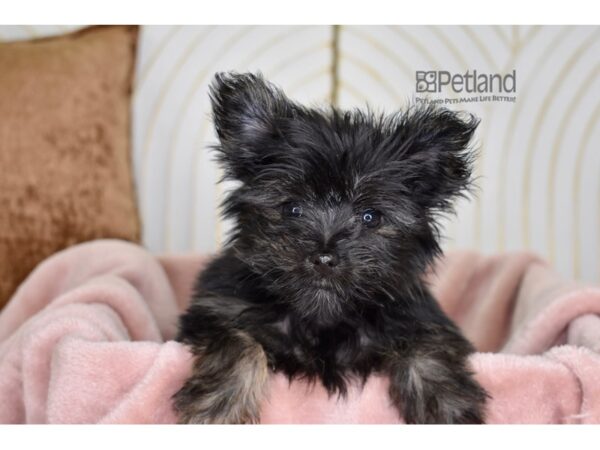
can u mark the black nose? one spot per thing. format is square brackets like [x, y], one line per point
[325, 260]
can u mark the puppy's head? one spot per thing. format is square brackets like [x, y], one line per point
[336, 209]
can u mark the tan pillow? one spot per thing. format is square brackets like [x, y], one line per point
[65, 161]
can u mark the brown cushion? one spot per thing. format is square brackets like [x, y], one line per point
[65, 161]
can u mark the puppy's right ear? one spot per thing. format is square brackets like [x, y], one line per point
[247, 113]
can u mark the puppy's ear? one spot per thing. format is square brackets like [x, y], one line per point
[247, 112]
[435, 154]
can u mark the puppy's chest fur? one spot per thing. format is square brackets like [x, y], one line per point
[335, 354]
[228, 295]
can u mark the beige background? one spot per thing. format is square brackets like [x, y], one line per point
[540, 157]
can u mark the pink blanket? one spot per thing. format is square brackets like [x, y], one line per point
[86, 339]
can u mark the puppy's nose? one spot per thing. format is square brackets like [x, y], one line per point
[325, 260]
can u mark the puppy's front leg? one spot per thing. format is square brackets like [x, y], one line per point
[228, 382]
[430, 381]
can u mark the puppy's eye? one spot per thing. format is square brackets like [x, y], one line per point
[371, 218]
[291, 209]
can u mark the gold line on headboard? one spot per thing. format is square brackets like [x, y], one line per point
[282, 64]
[156, 109]
[448, 41]
[482, 48]
[503, 37]
[593, 121]
[515, 41]
[518, 46]
[567, 117]
[181, 113]
[158, 50]
[166, 85]
[308, 78]
[354, 92]
[335, 61]
[530, 150]
[509, 137]
[374, 73]
[358, 33]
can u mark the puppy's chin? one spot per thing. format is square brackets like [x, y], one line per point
[321, 304]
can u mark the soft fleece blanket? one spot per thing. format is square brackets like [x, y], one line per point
[88, 339]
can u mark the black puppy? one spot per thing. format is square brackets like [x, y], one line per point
[322, 277]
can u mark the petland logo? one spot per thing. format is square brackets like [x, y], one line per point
[488, 87]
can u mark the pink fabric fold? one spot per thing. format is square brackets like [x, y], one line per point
[87, 338]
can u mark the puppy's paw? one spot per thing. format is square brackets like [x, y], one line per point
[227, 385]
[430, 390]
[216, 407]
[446, 408]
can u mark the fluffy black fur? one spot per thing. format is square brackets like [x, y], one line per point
[322, 277]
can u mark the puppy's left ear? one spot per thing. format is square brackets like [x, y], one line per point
[436, 158]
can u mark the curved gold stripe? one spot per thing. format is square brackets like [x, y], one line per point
[497, 29]
[447, 41]
[482, 49]
[593, 121]
[515, 38]
[165, 87]
[359, 97]
[515, 52]
[374, 74]
[230, 42]
[308, 78]
[506, 145]
[535, 29]
[533, 138]
[420, 48]
[404, 68]
[275, 70]
[154, 114]
[424, 51]
[144, 71]
[568, 116]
